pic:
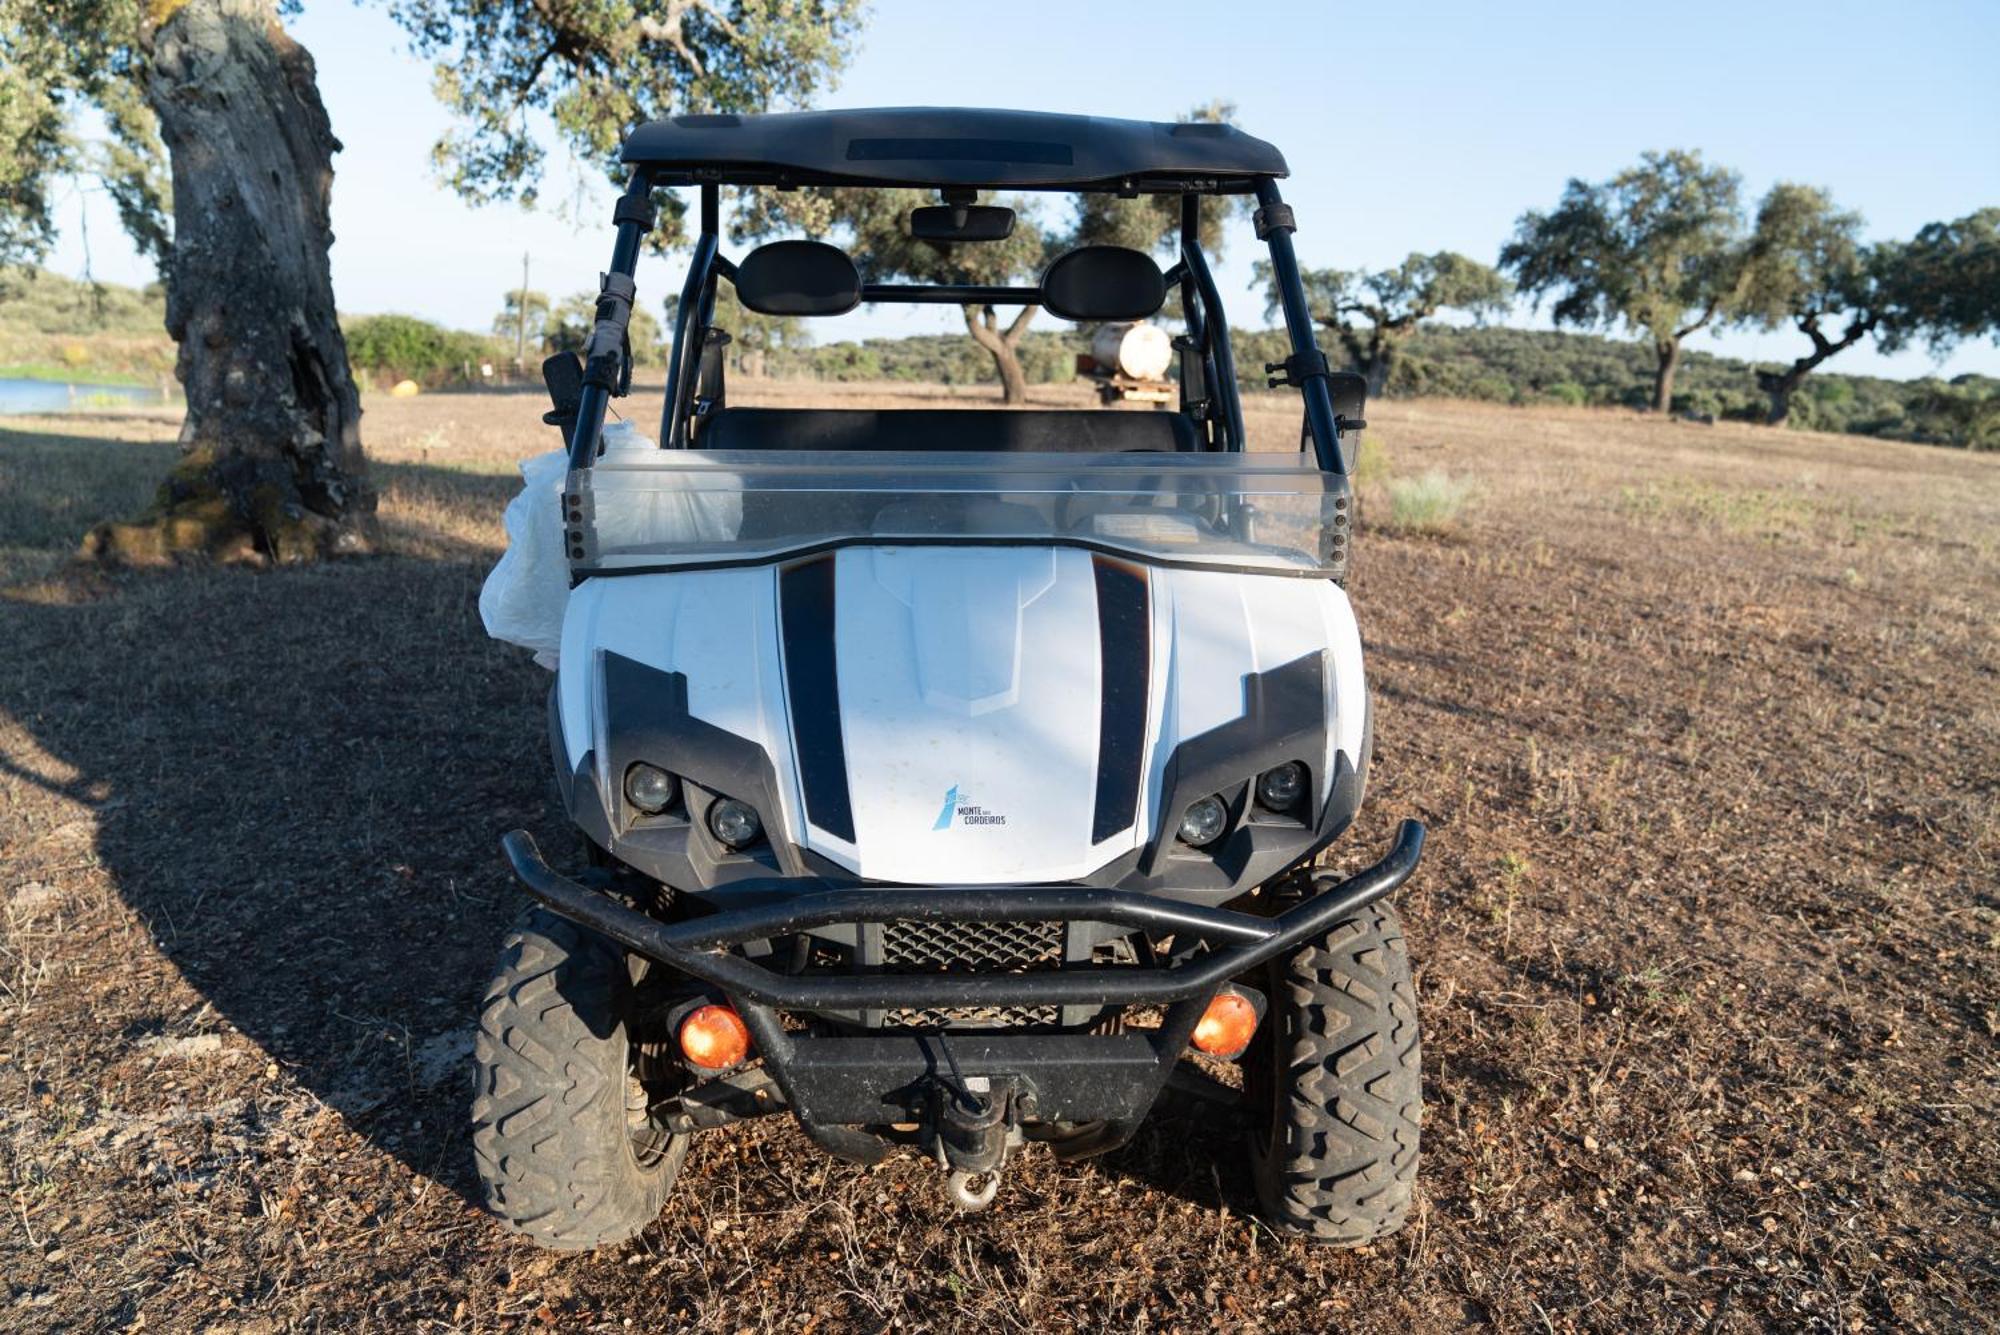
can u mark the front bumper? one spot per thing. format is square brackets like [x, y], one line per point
[1100, 1084]
[700, 947]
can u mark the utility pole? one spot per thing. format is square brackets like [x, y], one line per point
[521, 321]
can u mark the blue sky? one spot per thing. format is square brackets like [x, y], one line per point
[1408, 127]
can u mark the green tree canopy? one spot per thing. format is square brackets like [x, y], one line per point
[1394, 302]
[518, 305]
[598, 68]
[54, 60]
[1806, 266]
[1943, 287]
[1657, 249]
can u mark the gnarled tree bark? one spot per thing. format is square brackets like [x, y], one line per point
[984, 326]
[1375, 357]
[272, 462]
[1781, 385]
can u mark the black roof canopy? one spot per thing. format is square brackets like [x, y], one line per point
[956, 146]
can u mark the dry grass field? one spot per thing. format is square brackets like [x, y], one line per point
[1705, 722]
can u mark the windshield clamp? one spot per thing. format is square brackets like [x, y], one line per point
[1273, 218]
[635, 209]
[1296, 369]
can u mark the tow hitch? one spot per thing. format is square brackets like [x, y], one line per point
[978, 1127]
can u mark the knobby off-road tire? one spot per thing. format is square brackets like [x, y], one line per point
[558, 1129]
[1339, 1078]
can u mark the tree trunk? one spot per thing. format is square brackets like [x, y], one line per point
[272, 463]
[1381, 361]
[1781, 385]
[984, 326]
[1669, 352]
[1375, 357]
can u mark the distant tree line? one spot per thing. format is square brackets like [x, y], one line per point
[1494, 364]
[1663, 250]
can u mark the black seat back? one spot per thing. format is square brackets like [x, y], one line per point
[1103, 283]
[798, 278]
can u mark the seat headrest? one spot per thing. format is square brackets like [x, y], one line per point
[1103, 283]
[798, 278]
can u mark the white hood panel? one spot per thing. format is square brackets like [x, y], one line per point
[969, 692]
[968, 703]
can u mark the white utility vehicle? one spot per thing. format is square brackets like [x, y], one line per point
[950, 779]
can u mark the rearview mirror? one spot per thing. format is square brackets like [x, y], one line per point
[962, 222]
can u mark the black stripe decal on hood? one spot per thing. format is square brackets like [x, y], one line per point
[1125, 658]
[812, 686]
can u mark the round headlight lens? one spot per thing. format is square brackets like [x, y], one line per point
[1281, 788]
[649, 788]
[1202, 822]
[734, 823]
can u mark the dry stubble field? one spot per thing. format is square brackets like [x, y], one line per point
[1705, 723]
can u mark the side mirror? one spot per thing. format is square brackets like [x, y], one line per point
[962, 222]
[563, 374]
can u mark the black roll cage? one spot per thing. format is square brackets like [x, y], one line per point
[607, 361]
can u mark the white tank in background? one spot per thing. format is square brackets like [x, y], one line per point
[1141, 351]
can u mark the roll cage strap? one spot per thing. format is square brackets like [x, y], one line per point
[607, 363]
[635, 209]
[607, 354]
[1307, 367]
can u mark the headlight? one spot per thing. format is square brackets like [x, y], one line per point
[734, 823]
[1280, 788]
[1202, 822]
[649, 788]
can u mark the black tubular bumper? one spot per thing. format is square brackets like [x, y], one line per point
[700, 947]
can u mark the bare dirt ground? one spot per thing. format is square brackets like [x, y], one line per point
[1705, 723]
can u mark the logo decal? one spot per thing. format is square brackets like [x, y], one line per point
[968, 812]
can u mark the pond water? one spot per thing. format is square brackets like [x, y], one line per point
[53, 396]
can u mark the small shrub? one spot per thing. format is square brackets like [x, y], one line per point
[1429, 503]
[400, 347]
[1568, 392]
[1371, 464]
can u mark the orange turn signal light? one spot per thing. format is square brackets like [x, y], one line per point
[1225, 1028]
[714, 1037]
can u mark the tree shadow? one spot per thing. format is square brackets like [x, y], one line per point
[56, 483]
[298, 779]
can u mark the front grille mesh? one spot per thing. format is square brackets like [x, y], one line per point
[975, 947]
[971, 947]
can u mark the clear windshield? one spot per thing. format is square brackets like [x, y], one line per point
[665, 508]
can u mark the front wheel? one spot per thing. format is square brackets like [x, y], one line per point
[1336, 1085]
[560, 1131]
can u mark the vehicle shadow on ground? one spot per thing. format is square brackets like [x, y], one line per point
[298, 779]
